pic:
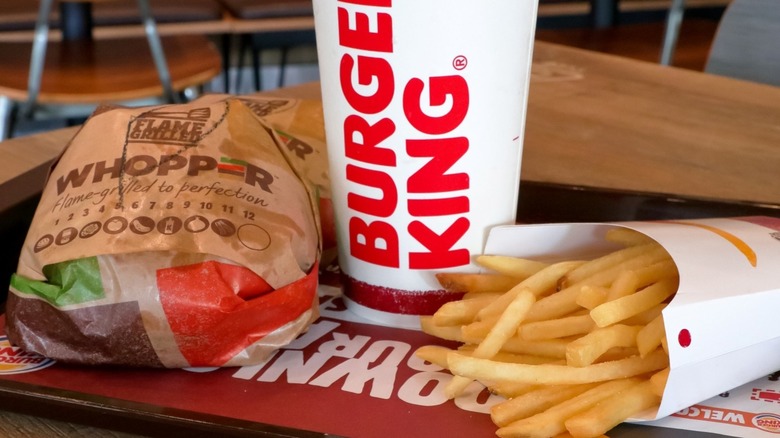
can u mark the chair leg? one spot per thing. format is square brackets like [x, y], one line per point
[7, 118]
[283, 65]
[38, 57]
[256, 66]
[155, 45]
[243, 45]
[227, 45]
[673, 21]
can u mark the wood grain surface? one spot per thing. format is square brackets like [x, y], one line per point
[13, 425]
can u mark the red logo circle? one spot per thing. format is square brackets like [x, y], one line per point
[460, 62]
[684, 338]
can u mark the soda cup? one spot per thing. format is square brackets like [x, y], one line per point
[424, 105]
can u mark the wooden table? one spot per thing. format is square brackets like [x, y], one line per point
[594, 121]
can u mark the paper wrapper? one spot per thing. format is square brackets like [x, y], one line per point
[169, 236]
[722, 329]
[299, 126]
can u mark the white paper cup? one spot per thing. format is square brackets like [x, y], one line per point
[424, 105]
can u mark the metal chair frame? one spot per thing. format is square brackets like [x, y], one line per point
[40, 41]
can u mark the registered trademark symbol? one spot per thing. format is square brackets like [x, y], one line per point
[460, 62]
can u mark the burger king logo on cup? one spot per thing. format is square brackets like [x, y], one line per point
[767, 422]
[14, 360]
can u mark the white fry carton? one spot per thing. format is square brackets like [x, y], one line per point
[722, 326]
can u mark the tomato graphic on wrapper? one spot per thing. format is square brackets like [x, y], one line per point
[115, 225]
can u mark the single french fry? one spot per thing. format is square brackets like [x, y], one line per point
[615, 311]
[511, 266]
[629, 282]
[656, 272]
[645, 317]
[534, 401]
[504, 356]
[649, 338]
[450, 333]
[505, 328]
[538, 284]
[565, 301]
[568, 435]
[658, 381]
[617, 353]
[556, 328]
[613, 410]
[468, 282]
[585, 350]
[492, 371]
[552, 421]
[626, 283]
[434, 354]
[627, 237]
[510, 390]
[462, 311]
[606, 262]
[552, 348]
[476, 331]
[592, 296]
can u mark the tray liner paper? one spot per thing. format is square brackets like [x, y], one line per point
[721, 326]
[171, 236]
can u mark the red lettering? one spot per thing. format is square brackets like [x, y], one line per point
[368, 69]
[365, 240]
[440, 89]
[360, 36]
[441, 254]
[381, 207]
[361, 140]
[10, 351]
[438, 207]
[381, 3]
[443, 153]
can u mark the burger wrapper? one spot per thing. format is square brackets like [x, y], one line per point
[299, 126]
[169, 236]
[721, 326]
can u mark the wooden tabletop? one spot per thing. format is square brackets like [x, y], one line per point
[603, 121]
[594, 120]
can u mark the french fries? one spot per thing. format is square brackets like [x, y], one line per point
[576, 347]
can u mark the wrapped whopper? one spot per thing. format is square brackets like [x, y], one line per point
[170, 236]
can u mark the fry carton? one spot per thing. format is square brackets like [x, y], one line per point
[722, 330]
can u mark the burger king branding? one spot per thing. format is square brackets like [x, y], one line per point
[424, 107]
[432, 189]
[767, 422]
[14, 360]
